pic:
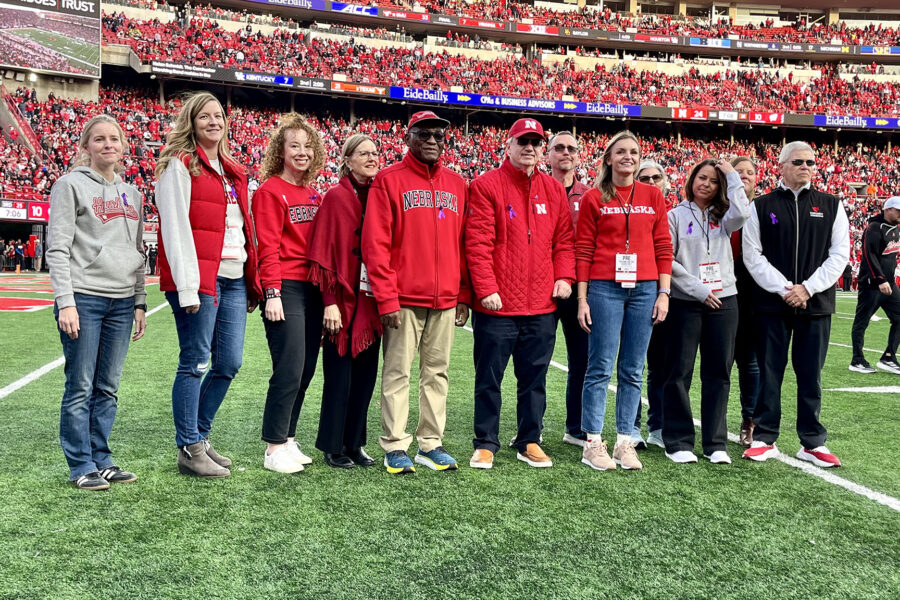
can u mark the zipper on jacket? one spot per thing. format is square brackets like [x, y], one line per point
[530, 212]
[434, 218]
[796, 241]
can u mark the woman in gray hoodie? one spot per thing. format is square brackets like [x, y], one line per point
[97, 272]
[703, 312]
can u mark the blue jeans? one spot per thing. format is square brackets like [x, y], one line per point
[94, 362]
[217, 329]
[621, 323]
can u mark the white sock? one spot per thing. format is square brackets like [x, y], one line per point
[622, 437]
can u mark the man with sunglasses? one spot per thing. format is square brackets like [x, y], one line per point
[413, 252]
[521, 254]
[795, 246]
[564, 159]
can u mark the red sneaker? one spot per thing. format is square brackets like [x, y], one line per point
[760, 451]
[821, 457]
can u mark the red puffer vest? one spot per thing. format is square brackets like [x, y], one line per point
[207, 216]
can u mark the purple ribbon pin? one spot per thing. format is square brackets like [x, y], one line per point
[124, 198]
[690, 228]
[512, 213]
[441, 214]
[774, 219]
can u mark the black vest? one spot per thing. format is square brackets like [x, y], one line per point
[795, 237]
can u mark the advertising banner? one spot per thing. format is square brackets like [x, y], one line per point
[856, 122]
[691, 114]
[539, 29]
[771, 118]
[709, 43]
[353, 9]
[879, 50]
[358, 88]
[305, 4]
[467, 22]
[402, 14]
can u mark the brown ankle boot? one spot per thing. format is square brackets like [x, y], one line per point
[746, 437]
[222, 461]
[193, 460]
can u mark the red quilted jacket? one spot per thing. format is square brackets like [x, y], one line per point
[519, 240]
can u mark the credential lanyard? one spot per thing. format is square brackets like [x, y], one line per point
[705, 230]
[627, 212]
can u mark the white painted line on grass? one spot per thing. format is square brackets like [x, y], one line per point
[851, 347]
[808, 468]
[41, 371]
[878, 389]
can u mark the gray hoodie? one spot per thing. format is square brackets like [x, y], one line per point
[688, 226]
[94, 243]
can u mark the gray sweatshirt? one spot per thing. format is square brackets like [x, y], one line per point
[94, 243]
[689, 226]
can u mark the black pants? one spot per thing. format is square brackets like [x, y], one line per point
[810, 346]
[346, 393]
[529, 340]
[294, 346]
[576, 357]
[713, 332]
[745, 354]
[868, 300]
[656, 377]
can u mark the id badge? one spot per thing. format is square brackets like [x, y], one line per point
[711, 275]
[364, 285]
[626, 270]
[231, 249]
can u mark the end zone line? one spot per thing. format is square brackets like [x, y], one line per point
[808, 468]
[41, 371]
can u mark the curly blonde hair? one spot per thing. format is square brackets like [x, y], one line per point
[273, 161]
[604, 180]
[83, 158]
[182, 139]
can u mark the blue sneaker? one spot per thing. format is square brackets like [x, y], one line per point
[398, 463]
[437, 460]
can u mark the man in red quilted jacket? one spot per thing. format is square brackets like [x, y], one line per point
[521, 255]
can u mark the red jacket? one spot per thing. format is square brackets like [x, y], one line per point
[601, 234]
[519, 240]
[283, 213]
[207, 216]
[412, 237]
[574, 195]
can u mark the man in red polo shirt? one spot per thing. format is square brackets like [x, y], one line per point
[521, 254]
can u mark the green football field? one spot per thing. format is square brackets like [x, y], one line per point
[672, 531]
[80, 54]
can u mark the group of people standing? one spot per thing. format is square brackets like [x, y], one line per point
[391, 260]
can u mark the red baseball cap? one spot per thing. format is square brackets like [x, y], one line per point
[426, 116]
[526, 127]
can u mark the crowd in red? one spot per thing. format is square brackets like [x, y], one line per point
[204, 43]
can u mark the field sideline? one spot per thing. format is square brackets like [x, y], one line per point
[672, 531]
[79, 54]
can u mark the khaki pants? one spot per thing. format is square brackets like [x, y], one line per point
[428, 332]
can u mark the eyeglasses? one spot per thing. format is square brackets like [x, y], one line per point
[533, 141]
[366, 155]
[563, 148]
[799, 161]
[648, 178]
[425, 135]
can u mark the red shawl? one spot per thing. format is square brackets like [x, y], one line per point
[334, 265]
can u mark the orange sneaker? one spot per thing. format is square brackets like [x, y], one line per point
[534, 456]
[482, 459]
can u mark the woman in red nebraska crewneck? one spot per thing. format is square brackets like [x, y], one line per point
[623, 265]
[283, 209]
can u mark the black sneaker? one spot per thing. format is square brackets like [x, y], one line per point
[114, 474]
[889, 364]
[862, 367]
[92, 481]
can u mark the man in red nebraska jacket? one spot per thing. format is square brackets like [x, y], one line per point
[412, 249]
[521, 253]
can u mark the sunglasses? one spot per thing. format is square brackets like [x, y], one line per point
[648, 178]
[533, 141]
[799, 162]
[563, 148]
[424, 135]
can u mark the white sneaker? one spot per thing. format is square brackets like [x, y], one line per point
[298, 454]
[568, 438]
[682, 457]
[888, 365]
[282, 460]
[719, 457]
[655, 437]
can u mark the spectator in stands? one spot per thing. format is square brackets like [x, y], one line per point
[623, 255]
[564, 158]
[790, 231]
[97, 274]
[284, 207]
[745, 345]
[878, 286]
[351, 323]
[651, 172]
[208, 270]
[412, 248]
[704, 312]
[520, 252]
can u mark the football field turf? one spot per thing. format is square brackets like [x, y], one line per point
[672, 531]
[83, 55]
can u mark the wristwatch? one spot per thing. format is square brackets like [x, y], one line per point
[665, 291]
[142, 307]
[273, 293]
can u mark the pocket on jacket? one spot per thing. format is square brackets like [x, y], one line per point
[113, 269]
